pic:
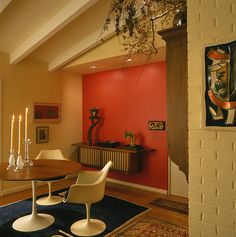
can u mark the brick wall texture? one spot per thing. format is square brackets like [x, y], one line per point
[212, 151]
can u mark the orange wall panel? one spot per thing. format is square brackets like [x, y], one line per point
[129, 98]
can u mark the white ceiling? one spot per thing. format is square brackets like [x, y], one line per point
[55, 31]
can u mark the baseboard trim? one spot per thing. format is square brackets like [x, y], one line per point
[116, 181]
[139, 186]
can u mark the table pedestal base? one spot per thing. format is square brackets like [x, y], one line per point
[33, 222]
[47, 201]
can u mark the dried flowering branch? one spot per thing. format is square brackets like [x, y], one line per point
[136, 22]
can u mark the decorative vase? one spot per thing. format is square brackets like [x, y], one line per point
[132, 141]
[180, 17]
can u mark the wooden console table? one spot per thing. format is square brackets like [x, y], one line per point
[126, 160]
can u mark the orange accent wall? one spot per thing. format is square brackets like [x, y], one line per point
[129, 98]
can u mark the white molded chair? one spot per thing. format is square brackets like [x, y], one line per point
[55, 155]
[88, 189]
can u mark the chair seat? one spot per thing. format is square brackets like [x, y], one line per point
[85, 228]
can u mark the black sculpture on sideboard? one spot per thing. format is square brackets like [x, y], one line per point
[94, 117]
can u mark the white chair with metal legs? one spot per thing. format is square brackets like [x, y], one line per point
[52, 155]
[88, 189]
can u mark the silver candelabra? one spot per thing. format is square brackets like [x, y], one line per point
[11, 161]
[27, 161]
[19, 163]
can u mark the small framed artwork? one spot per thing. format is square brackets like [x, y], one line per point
[156, 125]
[46, 112]
[42, 134]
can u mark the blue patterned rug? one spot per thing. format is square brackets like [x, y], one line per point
[113, 211]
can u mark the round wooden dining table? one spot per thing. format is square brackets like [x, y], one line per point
[40, 170]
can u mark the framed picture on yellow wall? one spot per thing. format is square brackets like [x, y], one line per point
[46, 112]
[42, 134]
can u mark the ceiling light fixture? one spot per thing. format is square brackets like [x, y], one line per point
[92, 67]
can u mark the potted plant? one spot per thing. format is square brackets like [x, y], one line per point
[130, 135]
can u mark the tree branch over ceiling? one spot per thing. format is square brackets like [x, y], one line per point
[136, 22]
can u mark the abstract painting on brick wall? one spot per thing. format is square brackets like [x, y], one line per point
[220, 76]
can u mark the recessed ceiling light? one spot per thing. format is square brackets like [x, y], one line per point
[92, 67]
[129, 60]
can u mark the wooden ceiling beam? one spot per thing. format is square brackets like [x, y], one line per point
[4, 4]
[56, 23]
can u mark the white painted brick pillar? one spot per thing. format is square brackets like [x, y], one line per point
[212, 151]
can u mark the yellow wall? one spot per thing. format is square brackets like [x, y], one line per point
[30, 82]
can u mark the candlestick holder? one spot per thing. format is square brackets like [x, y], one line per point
[19, 162]
[11, 161]
[27, 161]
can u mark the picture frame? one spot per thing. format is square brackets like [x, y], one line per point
[42, 134]
[156, 125]
[46, 112]
[220, 91]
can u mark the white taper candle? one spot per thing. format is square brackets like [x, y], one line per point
[19, 135]
[26, 124]
[12, 133]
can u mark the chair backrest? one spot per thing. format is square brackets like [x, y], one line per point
[51, 154]
[89, 187]
[103, 173]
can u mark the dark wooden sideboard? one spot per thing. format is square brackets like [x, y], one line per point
[125, 159]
